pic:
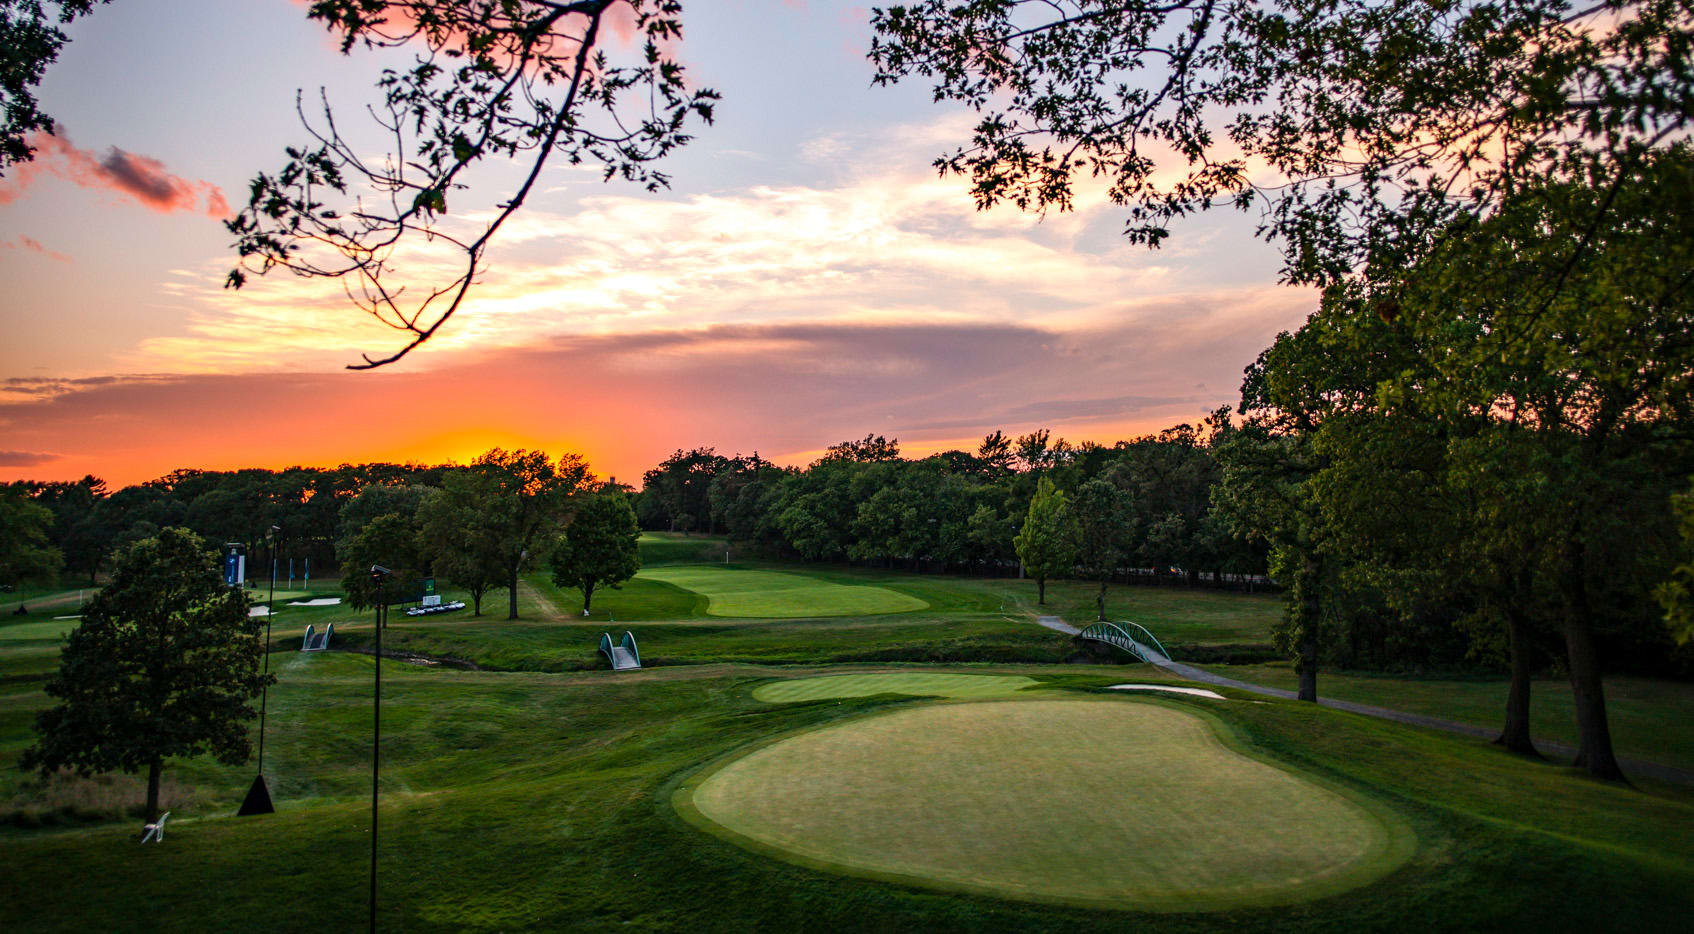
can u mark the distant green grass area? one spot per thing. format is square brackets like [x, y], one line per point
[1176, 615]
[1119, 804]
[968, 619]
[641, 598]
[914, 684]
[744, 593]
[660, 548]
[1649, 718]
[39, 600]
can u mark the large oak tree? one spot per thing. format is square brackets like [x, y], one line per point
[164, 664]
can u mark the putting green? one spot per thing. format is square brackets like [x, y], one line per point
[914, 683]
[780, 595]
[1124, 804]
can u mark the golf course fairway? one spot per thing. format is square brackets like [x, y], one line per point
[1127, 804]
[911, 683]
[745, 593]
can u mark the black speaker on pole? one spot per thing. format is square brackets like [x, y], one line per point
[258, 800]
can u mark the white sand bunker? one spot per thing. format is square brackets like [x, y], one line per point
[1197, 692]
[320, 601]
[258, 610]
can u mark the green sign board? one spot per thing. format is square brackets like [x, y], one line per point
[426, 586]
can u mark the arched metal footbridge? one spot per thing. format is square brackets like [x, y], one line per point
[1130, 637]
[624, 655]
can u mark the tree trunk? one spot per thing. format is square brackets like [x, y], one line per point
[1307, 664]
[1594, 749]
[1100, 602]
[587, 596]
[512, 593]
[153, 771]
[1594, 752]
[1515, 736]
[476, 603]
[1041, 591]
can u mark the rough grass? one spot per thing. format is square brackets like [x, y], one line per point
[1127, 804]
[738, 592]
[515, 801]
[1649, 718]
[66, 798]
[967, 620]
[909, 683]
[661, 548]
[1176, 615]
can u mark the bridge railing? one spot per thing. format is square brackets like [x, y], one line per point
[627, 643]
[1115, 634]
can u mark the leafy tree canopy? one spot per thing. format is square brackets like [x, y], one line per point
[598, 547]
[26, 553]
[1361, 127]
[30, 40]
[1046, 544]
[163, 665]
[454, 539]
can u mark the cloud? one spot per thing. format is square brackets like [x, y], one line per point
[37, 388]
[26, 458]
[32, 245]
[141, 178]
[625, 401]
[878, 246]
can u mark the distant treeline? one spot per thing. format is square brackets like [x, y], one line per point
[1203, 505]
[89, 521]
[956, 511]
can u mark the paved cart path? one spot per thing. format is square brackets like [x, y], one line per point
[1656, 770]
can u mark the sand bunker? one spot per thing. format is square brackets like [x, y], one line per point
[1197, 692]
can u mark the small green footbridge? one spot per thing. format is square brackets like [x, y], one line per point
[1130, 637]
[624, 655]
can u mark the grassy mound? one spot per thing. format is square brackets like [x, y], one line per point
[659, 548]
[1128, 805]
[745, 593]
[913, 683]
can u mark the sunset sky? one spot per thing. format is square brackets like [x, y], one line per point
[807, 279]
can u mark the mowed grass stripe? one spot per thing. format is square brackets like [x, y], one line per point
[1123, 804]
[747, 593]
[915, 684]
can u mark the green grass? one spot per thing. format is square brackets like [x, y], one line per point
[58, 599]
[967, 619]
[661, 548]
[536, 797]
[1649, 718]
[641, 598]
[746, 593]
[912, 684]
[1109, 804]
[518, 801]
[1178, 616]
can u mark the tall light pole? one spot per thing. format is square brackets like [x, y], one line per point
[270, 607]
[379, 576]
[258, 800]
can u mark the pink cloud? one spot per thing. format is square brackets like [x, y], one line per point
[142, 178]
[32, 245]
[26, 458]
